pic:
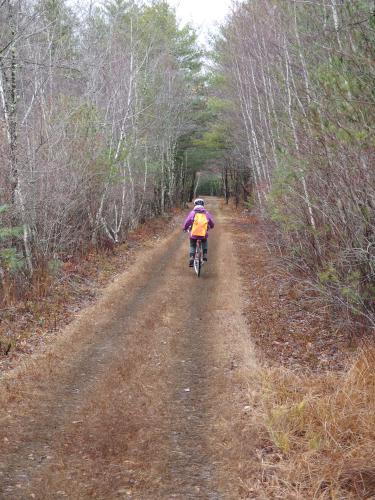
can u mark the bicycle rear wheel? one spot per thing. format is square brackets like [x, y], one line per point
[198, 259]
[197, 266]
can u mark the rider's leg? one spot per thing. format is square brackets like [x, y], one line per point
[193, 245]
[205, 249]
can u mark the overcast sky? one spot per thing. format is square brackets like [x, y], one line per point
[203, 14]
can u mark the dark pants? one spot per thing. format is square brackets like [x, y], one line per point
[193, 246]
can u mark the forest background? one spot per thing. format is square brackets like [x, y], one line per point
[96, 109]
[108, 118]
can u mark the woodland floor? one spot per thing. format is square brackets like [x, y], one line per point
[145, 395]
[289, 325]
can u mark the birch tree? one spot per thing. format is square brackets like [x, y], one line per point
[299, 79]
[93, 105]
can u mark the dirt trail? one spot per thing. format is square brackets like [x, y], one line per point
[143, 395]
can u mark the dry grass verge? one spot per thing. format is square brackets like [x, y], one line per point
[323, 432]
[315, 417]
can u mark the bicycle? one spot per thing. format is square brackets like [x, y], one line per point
[198, 256]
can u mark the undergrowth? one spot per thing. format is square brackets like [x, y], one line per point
[323, 430]
[315, 411]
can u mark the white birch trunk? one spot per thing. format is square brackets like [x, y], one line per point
[296, 142]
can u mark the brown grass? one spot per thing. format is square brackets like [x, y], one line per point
[323, 431]
[315, 416]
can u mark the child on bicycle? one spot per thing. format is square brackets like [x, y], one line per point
[198, 222]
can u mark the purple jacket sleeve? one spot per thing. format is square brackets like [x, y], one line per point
[189, 220]
[211, 222]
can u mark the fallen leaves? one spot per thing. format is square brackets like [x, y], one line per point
[286, 328]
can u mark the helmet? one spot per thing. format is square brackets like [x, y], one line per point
[199, 201]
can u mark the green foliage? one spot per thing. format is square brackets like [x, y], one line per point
[86, 118]
[328, 275]
[118, 10]
[10, 258]
[283, 422]
[62, 22]
[250, 202]
[9, 232]
[158, 27]
[213, 140]
[210, 186]
[351, 288]
[186, 50]
[216, 138]
[54, 266]
[285, 179]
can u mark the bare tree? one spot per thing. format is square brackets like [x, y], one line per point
[299, 74]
